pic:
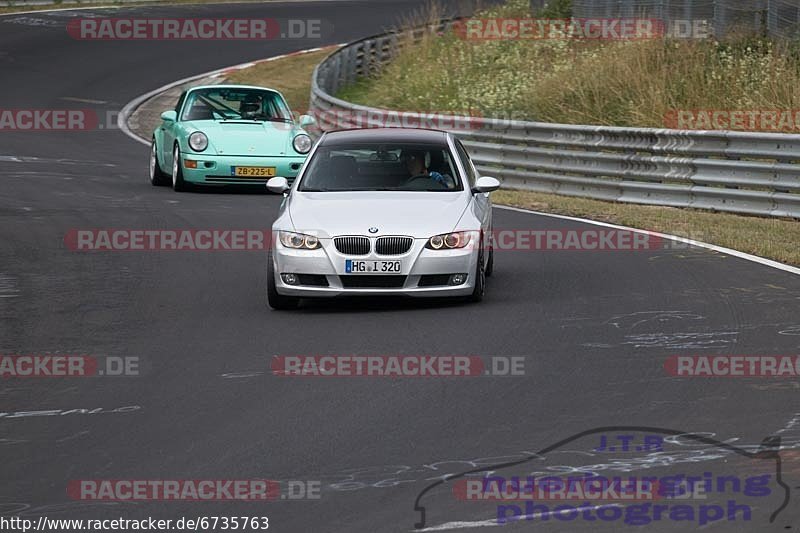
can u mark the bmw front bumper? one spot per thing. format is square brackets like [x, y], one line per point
[424, 272]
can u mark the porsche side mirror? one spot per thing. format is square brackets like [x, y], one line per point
[169, 116]
[486, 184]
[278, 185]
[307, 120]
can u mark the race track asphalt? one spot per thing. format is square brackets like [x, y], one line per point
[594, 329]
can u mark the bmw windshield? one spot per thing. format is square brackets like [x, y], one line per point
[381, 167]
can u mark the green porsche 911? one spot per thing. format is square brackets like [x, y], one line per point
[228, 134]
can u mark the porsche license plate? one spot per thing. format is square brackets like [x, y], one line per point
[371, 267]
[253, 172]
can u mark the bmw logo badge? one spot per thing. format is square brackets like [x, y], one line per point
[373, 230]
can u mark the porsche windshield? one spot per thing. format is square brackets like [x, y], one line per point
[235, 104]
[373, 167]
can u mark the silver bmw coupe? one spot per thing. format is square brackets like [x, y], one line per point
[382, 212]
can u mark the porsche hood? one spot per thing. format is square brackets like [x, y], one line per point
[248, 138]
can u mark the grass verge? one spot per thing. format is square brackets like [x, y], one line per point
[574, 81]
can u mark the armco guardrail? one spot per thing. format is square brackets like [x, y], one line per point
[755, 173]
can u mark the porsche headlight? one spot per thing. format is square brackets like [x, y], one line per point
[448, 241]
[198, 141]
[302, 143]
[298, 241]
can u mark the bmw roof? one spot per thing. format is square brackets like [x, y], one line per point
[384, 135]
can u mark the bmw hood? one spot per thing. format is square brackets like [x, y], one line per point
[240, 138]
[417, 214]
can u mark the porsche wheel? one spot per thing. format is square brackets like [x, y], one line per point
[157, 176]
[177, 172]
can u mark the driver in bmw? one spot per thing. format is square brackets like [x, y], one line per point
[416, 165]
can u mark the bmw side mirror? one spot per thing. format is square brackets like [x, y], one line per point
[278, 185]
[307, 120]
[169, 116]
[486, 184]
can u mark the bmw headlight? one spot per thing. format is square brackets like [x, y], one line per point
[448, 241]
[302, 143]
[198, 141]
[298, 241]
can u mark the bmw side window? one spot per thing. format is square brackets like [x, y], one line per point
[465, 161]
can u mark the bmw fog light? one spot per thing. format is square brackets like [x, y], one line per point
[457, 279]
[289, 279]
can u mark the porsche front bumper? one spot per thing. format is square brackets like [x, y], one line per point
[218, 170]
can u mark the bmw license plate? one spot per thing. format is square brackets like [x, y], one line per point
[371, 267]
[253, 172]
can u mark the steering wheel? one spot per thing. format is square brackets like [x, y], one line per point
[415, 178]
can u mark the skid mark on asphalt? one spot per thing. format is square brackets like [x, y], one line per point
[655, 321]
[34, 21]
[5, 442]
[778, 385]
[767, 293]
[26, 509]
[8, 286]
[61, 412]
[683, 340]
[491, 522]
[632, 320]
[60, 161]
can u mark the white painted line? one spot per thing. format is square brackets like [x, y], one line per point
[699, 244]
[130, 107]
[83, 100]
